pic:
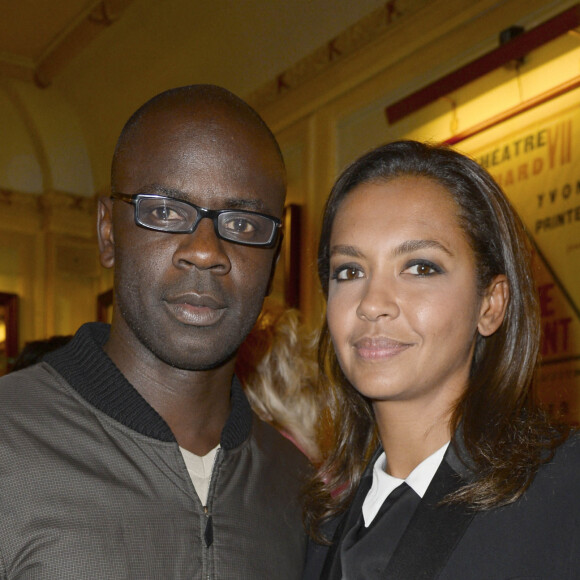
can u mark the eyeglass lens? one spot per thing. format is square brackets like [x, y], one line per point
[172, 215]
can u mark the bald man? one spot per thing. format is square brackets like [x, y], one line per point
[132, 452]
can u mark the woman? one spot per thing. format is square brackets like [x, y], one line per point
[429, 352]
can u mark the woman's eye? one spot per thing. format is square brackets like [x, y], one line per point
[347, 273]
[423, 269]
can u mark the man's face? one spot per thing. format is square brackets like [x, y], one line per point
[190, 299]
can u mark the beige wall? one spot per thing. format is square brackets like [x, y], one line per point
[48, 256]
[48, 252]
[337, 115]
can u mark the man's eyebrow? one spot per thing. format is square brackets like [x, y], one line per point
[249, 204]
[413, 245]
[226, 203]
[157, 189]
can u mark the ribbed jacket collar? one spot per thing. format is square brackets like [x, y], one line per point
[87, 368]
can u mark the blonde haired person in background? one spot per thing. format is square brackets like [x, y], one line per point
[277, 367]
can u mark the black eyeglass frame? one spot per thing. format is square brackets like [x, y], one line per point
[202, 212]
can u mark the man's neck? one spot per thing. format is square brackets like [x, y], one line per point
[195, 404]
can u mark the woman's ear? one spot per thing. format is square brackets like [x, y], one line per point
[494, 306]
[105, 232]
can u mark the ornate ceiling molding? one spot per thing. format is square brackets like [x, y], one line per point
[71, 40]
[364, 32]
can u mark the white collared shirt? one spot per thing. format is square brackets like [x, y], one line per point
[383, 483]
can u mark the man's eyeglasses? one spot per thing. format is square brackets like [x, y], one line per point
[175, 216]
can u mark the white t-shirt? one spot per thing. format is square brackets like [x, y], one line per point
[199, 469]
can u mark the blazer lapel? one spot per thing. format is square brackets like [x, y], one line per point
[434, 530]
[332, 569]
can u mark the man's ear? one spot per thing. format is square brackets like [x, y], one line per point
[105, 231]
[494, 306]
[274, 264]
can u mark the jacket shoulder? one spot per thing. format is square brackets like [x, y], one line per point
[276, 447]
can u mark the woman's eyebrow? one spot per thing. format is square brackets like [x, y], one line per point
[414, 245]
[345, 250]
[406, 247]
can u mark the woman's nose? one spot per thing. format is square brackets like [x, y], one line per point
[379, 299]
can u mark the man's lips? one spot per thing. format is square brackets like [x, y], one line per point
[379, 347]
[196, 309]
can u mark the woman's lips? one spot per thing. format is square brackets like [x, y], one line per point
[379, 347]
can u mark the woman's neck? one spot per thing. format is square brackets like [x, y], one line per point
[409, 435]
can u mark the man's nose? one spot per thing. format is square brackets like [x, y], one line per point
[202, 249]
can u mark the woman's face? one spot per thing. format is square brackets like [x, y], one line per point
[403, 305]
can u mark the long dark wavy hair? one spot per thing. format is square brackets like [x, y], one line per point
[504, 432]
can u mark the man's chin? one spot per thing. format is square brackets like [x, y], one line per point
[198, 363]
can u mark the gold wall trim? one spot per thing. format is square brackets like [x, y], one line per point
[53, 211]
[50, 199]
[71, 201]
[9, 197]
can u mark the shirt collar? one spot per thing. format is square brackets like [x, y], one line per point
[383, 483]
[86, 367]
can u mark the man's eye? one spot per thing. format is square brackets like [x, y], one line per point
[165, 213]
[240, 225]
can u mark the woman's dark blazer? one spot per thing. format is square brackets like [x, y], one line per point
[538, 536]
